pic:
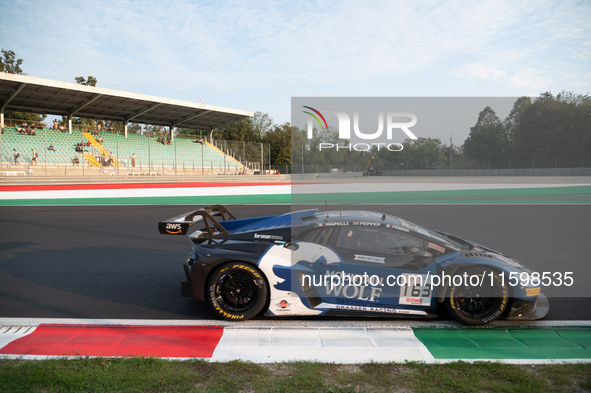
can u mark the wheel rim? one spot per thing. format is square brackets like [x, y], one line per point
[473, 305]
[236, 291]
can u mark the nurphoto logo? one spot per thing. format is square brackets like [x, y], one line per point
[392, 121]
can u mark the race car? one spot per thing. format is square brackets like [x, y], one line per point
[348, 263]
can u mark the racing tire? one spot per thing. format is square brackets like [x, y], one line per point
[476, 305]
[237, 291]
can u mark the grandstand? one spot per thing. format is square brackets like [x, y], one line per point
[187, 153]
[63, 143]
[184, 153]
[111, 152]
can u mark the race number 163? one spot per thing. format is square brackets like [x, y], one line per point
[417, 290]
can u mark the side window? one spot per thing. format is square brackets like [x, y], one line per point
[317, 235]
[381, 240]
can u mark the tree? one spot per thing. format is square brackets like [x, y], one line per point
[487, 139]
[90, 81]
[555, 127]
[250, 129]
[513, 121]
[422, 153]
[280, 141]
[9, 64]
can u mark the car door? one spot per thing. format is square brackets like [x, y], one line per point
[379, 269]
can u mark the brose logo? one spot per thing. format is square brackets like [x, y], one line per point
[267, 237]
[391, 119]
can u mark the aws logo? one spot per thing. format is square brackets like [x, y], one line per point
[389, 122]
[173, 229]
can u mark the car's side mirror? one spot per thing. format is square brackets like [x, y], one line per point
[420, 255]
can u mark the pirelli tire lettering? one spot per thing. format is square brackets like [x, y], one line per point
[237, 291]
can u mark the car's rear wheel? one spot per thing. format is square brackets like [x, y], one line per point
[237, 291]
[480, 299]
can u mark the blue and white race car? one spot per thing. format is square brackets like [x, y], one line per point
[348, 263]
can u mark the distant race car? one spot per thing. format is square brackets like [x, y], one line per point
[348, 263]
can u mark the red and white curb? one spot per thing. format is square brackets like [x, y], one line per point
[253, 341]
[141, 190]
[204, 189]
[215, 343]
[323, 344]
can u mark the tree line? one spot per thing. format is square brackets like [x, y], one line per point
[544, 128]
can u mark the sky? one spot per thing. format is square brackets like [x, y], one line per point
[257, 55]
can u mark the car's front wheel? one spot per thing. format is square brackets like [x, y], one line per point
[237, 291]
[480, 299]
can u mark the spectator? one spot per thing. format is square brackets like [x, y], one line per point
[133, 160]
[16, 156]
[51, 148]
[88, 143]
[100, 139]
[111, 159]
[55, 124]
[62, 128]
[34, 157]
[75, 161]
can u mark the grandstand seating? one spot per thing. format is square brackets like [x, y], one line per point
[63, 142]
[188, 154]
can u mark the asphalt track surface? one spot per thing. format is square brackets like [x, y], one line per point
[110, 262]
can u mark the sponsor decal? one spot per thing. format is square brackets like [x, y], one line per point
[532, 291]
[283, 305]
[398, 228]
[336, 224]
[368, 258]
[173, 229]
[370, 224]
[372, 309]
[436, 247]
[267, 237]
[417, 291]
[350, 286]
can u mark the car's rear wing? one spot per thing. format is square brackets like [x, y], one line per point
[180, 225]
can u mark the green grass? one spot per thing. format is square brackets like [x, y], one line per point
[156, 375]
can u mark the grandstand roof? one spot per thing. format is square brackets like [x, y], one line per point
[29, 94]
